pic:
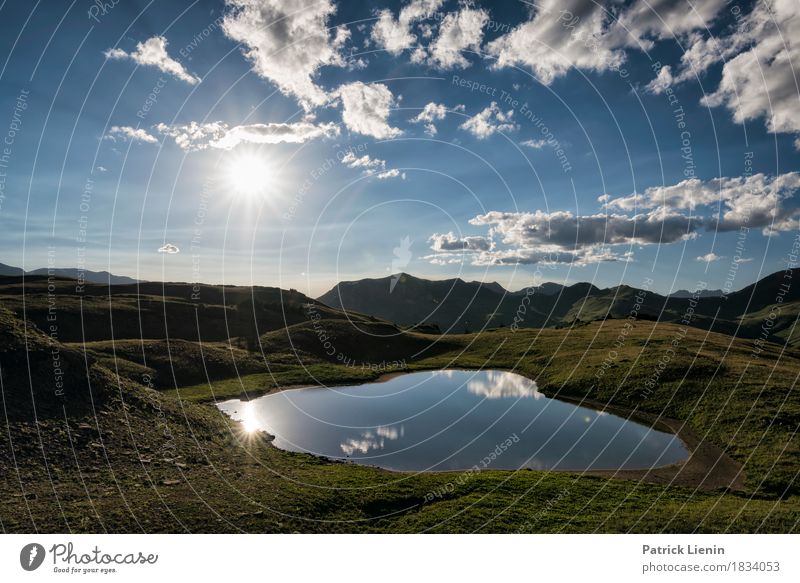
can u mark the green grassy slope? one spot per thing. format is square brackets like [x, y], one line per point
[110, 454]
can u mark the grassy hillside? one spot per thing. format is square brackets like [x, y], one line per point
[738, 397]
[93, 312]
[91, 450]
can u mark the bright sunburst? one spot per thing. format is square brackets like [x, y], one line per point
[249, 174]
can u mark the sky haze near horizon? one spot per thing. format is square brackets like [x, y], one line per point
[298, 144]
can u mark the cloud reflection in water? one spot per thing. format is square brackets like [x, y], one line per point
[372, 440]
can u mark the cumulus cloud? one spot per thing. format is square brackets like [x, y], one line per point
[709, 258]
[758, 75]
[275, 133]
[565, 230]
[153, 53]
[169, 249]
[371, 166]
[589, 35]
[393, 173]
[433, 112]
[543, 256]
[366, 109]
[125, 133]
[561, 237]
[760, 81]
[658, 215]
[557, 38]
[364, 162]
[459, 31]
[641, 22]
[450, 242]
[395, 34]
[194, 136]
[662, 82]
[200, 136]
[755, 201]
[490, 121]
[701, 53]
[288, 42]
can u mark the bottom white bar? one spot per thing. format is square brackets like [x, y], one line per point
[390, 558]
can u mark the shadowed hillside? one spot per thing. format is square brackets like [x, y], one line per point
[93, 312]
[109, 454]
[456, 306]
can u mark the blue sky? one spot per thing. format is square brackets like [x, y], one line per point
[300, 143]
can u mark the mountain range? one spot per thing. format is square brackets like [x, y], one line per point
[102, 277]
[767, 308]
[458, 306]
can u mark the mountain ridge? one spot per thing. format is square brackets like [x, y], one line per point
[457, 306]
[102, 277]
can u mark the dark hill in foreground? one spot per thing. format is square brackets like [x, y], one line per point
[95, 312]
[115, 456]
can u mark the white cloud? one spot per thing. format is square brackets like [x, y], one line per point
[433, 112]
[288, 42]
[490, 121]
[709, 258]
[549, 47]
[371, 166]
[590, 35]
[367, 108]
[756, 201]
[534, 144]
[194, 136]
[393, 173]
[129, 133]
[761, 81]
[566, 231]
[364, 162]
[759, 76]
[701, 53]
[275, 133]
[169, 249]
[561, 237]
[450, 242]
[395, 34]
[458, 32]
[153, 53]
[642, 21]
[391, 35]
[200, 136]
[101, 169]
[662, 82]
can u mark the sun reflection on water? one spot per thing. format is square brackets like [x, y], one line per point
[249, 418]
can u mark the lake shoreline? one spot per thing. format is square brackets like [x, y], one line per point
[707, 466]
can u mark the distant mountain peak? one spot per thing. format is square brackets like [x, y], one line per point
[101, 277]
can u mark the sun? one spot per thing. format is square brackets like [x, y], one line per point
[249, 175]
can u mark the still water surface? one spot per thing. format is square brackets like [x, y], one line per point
[454, 420]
